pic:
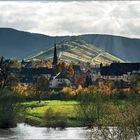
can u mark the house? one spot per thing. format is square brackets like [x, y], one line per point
[26, 64]
[15, 71]
[79, 76]
[59, 81]
[30, 75]
[119, 71]
[76, 69]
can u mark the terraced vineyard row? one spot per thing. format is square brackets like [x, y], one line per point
[78, 51]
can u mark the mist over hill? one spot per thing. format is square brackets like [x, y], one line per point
[20, 44]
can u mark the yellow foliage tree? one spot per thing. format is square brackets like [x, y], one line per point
[68, 91]
[79, 89]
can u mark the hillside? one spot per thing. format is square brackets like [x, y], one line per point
[20, 45]
[127, 49]
[76, 50]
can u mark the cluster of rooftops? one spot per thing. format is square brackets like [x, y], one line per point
[120, 68]
[28, 73]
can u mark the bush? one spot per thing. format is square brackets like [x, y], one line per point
[9, 108]
[124, 122]
[91, 107]
[55, 119]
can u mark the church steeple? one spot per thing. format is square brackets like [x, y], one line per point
[55, 56]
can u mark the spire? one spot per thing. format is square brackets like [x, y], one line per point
[55, 55]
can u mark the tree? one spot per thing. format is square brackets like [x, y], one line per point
[10, 108]
[41, 86]
[79, 79]
[125, 122]
[88, 81]
[135, 83]
[12, 82]
[15, 64]
[4, 71]
[91, 105]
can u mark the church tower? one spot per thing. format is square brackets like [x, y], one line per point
[55, 60]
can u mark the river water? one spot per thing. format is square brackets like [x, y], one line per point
[23, 131]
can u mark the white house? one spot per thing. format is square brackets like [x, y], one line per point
[59, 81]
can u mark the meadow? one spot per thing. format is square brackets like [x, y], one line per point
[66, 110]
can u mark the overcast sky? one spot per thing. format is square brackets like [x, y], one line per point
[73, 17]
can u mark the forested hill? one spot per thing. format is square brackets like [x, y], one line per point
[20, 44]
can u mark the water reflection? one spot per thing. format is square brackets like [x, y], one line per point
[23, 131]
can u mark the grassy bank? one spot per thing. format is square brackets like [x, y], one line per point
[52, 113]
[56, 113]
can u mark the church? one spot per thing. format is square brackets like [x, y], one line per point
[29, 74]
[59, 80]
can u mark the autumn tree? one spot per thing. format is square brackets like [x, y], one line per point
[65, 67]
[41, 86]
[135, 83]
[79, 79]
[12, 82]
[68, 92]
[15, 63]
[91, 104]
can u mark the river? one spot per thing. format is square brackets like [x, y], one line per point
[27, 132]
[24, 131]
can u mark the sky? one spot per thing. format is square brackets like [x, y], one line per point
[72, 17]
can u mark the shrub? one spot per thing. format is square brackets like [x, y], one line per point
[54, 119]
[9, 108]
[91, 107]
[124, 122]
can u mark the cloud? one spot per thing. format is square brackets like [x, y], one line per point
[77, 17]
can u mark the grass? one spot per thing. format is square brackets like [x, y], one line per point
[35, 111]
[54, 113]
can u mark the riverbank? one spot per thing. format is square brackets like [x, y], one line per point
[57, 113]
[53, 113]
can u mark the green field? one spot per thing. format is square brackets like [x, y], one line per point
[56, 113]
[35, 112]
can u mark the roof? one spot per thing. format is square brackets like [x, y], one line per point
[96, 69]
[88, 71]
[76, 68]
[60, 75]
[37, 71]
[26, 79]
[14, 70]
[120, 68]
[26, 64]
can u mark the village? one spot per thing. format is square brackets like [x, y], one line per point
[60, 74]
[69, 69]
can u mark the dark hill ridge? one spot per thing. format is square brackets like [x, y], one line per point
[125, 48]
[19, 44]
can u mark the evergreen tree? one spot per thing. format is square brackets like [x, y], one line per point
[4, 71]
[88, 81]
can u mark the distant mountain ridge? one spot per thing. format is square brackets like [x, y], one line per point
[20, 44]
